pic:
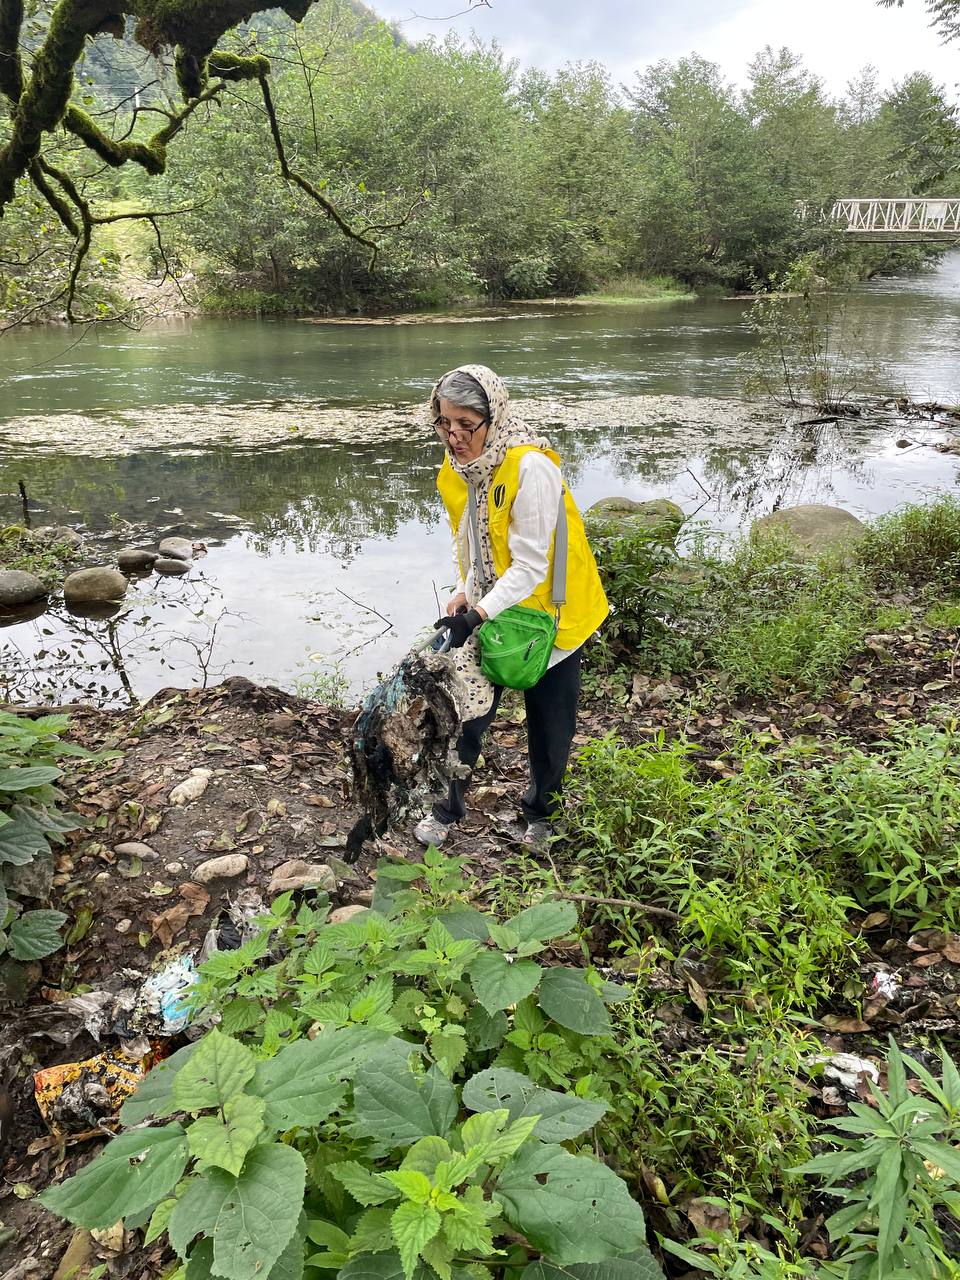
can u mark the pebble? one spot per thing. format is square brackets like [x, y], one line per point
[343, 914]
[192, 787]
[124, 926]
[223, 868]
[135, 849]
[298, 874]
[174, 868]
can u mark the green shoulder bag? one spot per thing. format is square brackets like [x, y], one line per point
[516, 645]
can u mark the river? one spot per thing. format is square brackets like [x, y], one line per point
[298, 453]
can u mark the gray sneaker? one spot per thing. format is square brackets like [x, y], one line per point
[537, 836]
[431, 830]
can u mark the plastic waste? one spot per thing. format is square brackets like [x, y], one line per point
[885, 984]
[847, 1069]
[76, 1096]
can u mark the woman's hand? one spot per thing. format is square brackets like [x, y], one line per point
[457, 605]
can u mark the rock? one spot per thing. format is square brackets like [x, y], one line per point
[76, 1255]
[135, 559]
[18, 588]
[621, 513]
[192, 787]
[95, 586]
[135, 849]
[173, 868]
[176, 548]
[168, 565]
[32, 880]
[124, 926]
[58, 533]
[343, 914]
[223, 868]
[813, 529]
[297, 874]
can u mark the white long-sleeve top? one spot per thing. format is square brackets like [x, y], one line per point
[533, 519]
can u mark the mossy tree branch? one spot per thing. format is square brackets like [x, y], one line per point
[40, 100]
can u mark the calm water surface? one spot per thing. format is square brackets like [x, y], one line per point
[327, 552]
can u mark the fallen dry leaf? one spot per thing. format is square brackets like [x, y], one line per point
[875, 919]
[846, 1025]
[925, 961]
[166, 925]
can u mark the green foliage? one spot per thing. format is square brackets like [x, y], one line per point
[362, 1118]
[648, 592]
[901, 1155]
[30, 820]
[943, 613]
[48, 560]
[917, 545]
[890, 817]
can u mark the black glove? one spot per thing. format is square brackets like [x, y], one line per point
[460, 626]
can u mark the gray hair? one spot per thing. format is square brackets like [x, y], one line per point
[463, 390]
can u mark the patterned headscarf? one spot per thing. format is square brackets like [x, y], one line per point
[504, 432]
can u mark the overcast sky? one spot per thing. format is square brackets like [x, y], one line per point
[835, 37]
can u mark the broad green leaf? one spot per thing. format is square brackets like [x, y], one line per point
[466, 923]
[326, 1233]
[571, 1208]
[289, 1266]
[35, 934]
[260, 1212]
[567, 998]
[413, 1226]
[200, 1263]
[469, 1229]
[449, 1048]
[21, 779]
[366, 1187]
[372, 1232]
[426, 1154]
[942, 1155]
[379, 1266]
[225, 1143]
[562, 1115]
[499, 982]
[301, 1085]
[486, 1030]
[214, 1074]
[396, 1106]
[197, 1210]
[545, 921]
[20, 842]
[159, 1220]
[154, 1097]
[411, 1183]
[133, 1171]
[642, 1266]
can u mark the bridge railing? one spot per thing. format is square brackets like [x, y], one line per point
[932, 216]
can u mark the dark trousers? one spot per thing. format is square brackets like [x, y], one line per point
[551, 723]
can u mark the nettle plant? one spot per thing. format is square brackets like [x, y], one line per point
[30, 819]
[359, 1119]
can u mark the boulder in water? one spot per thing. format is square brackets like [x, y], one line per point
[613, 514]
[813, 529]
[167, 564]
[176, 549]
[95, 587]
[58, 533]
[18, 588]
[136, 559]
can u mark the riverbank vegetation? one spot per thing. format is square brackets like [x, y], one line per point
[700, 989]
[484, 181]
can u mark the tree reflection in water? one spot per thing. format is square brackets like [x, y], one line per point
[68, 657]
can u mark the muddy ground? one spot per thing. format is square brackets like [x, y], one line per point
[279, 789]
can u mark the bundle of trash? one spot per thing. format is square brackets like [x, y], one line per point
[404, 741]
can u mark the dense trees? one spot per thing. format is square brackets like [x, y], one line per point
[474, 179]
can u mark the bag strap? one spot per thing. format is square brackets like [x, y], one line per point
[558, 583]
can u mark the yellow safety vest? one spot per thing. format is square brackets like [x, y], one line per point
[586, 605]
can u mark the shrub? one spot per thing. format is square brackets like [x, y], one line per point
[903, 1160]
[358, 1113]
[918, 545]
[30, 820]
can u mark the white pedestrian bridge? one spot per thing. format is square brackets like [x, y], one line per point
[896, 220]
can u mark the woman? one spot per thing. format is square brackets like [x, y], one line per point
[518, 486]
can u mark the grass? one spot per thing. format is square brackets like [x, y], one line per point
[628, 290]
[943, 613]
[915, 545]
[49, 561]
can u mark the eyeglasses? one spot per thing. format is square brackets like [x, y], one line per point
[445, 428]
